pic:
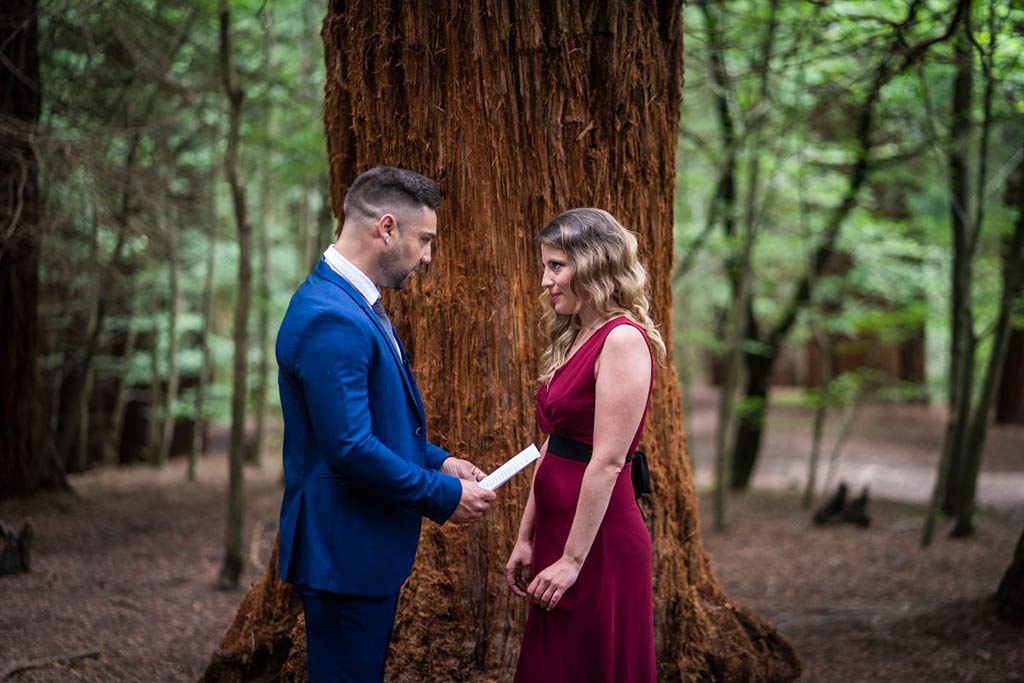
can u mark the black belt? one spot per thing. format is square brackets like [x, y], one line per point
[581, 452]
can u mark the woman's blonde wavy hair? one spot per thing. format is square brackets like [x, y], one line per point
[606, 270]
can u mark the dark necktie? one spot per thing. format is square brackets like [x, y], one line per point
[382, 316]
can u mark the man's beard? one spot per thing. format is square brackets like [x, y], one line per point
[395, 276]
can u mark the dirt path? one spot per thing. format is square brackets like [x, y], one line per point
[123, 575]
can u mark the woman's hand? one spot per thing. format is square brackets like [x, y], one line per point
[519, 569]
[548, 587]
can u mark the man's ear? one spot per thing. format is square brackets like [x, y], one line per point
[387, 227]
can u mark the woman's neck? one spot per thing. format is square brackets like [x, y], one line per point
[589, 318]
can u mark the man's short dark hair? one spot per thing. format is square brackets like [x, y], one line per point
[387, 187]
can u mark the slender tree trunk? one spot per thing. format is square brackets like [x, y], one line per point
[82, 437]
[723, 204]
[849, 421]
[820, 414]
[1013, 287]
[733, 324]
[233, 557]
[112, 442]
[78, 457]
[262, 327]
[962, 324]
[735, 332]
[470, 103]
[739, 265]
[750, 421]
[263, 282]
[1010, 594]
[309, 230]
[205, 367]
[154, 414]
[171, 397]
[68, 424]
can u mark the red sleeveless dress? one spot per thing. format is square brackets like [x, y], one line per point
[602, 630]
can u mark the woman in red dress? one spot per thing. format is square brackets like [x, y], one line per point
[583, 553]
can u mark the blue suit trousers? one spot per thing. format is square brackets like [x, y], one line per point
[347, 636]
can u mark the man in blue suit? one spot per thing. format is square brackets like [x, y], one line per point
[359, 472]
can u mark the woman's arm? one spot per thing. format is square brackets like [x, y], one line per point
[623, 384]
[519, 568]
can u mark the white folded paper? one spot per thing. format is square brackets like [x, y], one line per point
[510, 468]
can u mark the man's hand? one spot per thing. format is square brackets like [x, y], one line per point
[474, 503]
[461, 469]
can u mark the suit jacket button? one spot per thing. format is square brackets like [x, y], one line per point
[419, 431]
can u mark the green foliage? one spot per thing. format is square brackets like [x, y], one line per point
[133, 147]
[795, 119]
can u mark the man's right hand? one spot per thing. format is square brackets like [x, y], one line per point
[474, 503]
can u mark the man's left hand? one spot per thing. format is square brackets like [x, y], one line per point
[462, 469]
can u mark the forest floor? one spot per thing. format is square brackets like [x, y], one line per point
[122, 583]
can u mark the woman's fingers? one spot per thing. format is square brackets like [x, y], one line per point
[518, 574]
[549, 593]
[513, 574]
[510, 576]
[541, 589]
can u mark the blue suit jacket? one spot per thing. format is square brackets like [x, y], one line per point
[359, 472]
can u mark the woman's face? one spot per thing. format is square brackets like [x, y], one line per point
[557, 280]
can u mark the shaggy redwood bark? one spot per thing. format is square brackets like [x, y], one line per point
[520, 110]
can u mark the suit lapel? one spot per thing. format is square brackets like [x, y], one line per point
[327, 273]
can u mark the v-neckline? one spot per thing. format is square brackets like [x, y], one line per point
[577, 351]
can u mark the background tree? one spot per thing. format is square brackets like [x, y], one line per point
[1010, 594]
[811, 159]
[233, 558]
[470, 104]
[971, 400]
[25, 465]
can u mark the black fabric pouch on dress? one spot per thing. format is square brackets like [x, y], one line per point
[641, 475]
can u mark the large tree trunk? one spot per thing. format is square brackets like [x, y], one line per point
[535, 110]
[24, 465]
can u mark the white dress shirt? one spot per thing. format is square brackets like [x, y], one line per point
[357, 278]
